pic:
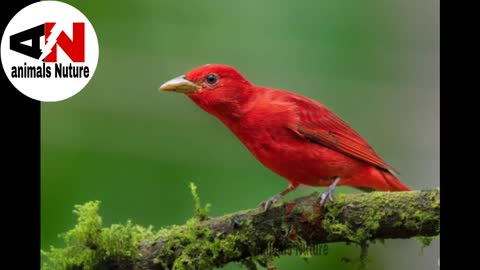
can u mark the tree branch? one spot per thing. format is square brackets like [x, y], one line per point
[350, 218]
[247, 236]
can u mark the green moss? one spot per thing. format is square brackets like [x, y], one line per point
[269, 238]
[265, 261]
[338, 229]
[200, 212]
[88, 244]
[305, 253]
[425, 241]
[435, 197]
[363, 261]
[365, 226]
[379, 207]
[199, 247]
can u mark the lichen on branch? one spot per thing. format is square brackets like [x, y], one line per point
[246, 236]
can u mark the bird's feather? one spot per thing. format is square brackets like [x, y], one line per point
[319, 125]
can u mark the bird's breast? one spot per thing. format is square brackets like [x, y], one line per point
[264, 133]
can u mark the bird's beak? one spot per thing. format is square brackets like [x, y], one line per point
[181, 85]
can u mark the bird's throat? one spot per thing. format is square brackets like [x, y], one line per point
[228, 108]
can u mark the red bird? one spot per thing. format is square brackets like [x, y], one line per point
[294, 136]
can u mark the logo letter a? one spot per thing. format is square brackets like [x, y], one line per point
[33, 34]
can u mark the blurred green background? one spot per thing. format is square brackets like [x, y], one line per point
[121, 141]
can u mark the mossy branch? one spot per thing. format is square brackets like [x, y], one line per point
[259, 235]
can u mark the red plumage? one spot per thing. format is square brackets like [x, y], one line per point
[294, 136]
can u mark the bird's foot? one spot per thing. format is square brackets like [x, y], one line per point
[328, 194]
[270, 201]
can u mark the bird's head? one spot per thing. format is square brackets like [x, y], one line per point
[218, 89]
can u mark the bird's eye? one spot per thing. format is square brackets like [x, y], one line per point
[212, 78]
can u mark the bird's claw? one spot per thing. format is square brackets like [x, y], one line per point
[266, 205]
[326, 195]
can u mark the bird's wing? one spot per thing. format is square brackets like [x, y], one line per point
[316, 123]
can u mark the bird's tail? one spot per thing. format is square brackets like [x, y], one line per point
[393, 183]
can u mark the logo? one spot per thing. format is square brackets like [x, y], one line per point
[49, 51]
